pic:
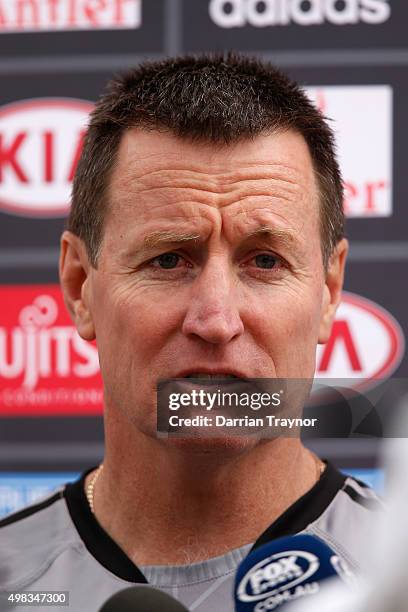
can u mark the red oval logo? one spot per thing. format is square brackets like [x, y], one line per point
[367, 343]
[40, 145]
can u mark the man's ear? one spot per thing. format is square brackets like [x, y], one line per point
[332, 289]
[74, 270]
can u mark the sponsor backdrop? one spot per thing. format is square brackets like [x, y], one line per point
[55, 58]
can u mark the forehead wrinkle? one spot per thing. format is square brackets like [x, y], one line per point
[253, 170]
[271, 223]
[180, 191]
[171, 182]
[179, 176]
[190, 199]
[164, 158]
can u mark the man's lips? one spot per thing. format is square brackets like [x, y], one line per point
[211, 373]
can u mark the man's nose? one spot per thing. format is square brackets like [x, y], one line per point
[213, 311]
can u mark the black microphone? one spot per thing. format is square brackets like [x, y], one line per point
[285, 570]
[142, 599]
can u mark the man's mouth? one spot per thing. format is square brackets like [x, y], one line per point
[215, 376]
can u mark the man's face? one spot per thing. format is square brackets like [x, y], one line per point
[210, 263]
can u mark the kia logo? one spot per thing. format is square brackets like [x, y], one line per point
[40, 145]
[366, 343]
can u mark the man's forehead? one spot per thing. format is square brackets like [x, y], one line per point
[168, 191]
[162, 182]
[150, 157]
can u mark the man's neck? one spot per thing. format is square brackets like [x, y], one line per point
[166, 505]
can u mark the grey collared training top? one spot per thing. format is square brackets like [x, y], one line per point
[58, 545]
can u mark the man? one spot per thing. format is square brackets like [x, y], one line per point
[205, 239]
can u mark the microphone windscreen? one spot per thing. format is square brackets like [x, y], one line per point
[284, 570]
[142, 599]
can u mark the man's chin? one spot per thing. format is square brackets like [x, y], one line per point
[214, 445]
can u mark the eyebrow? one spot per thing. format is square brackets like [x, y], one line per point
[285, 237]
[158, 238]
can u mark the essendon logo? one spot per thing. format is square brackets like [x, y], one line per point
[51, 15]
[366, 343]
[45, 367]
[40, 145]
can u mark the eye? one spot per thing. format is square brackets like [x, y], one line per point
[266, 261]
[167, 261]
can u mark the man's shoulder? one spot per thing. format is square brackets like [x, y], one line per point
[32, 538]
[355, 499]
[350, 521]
